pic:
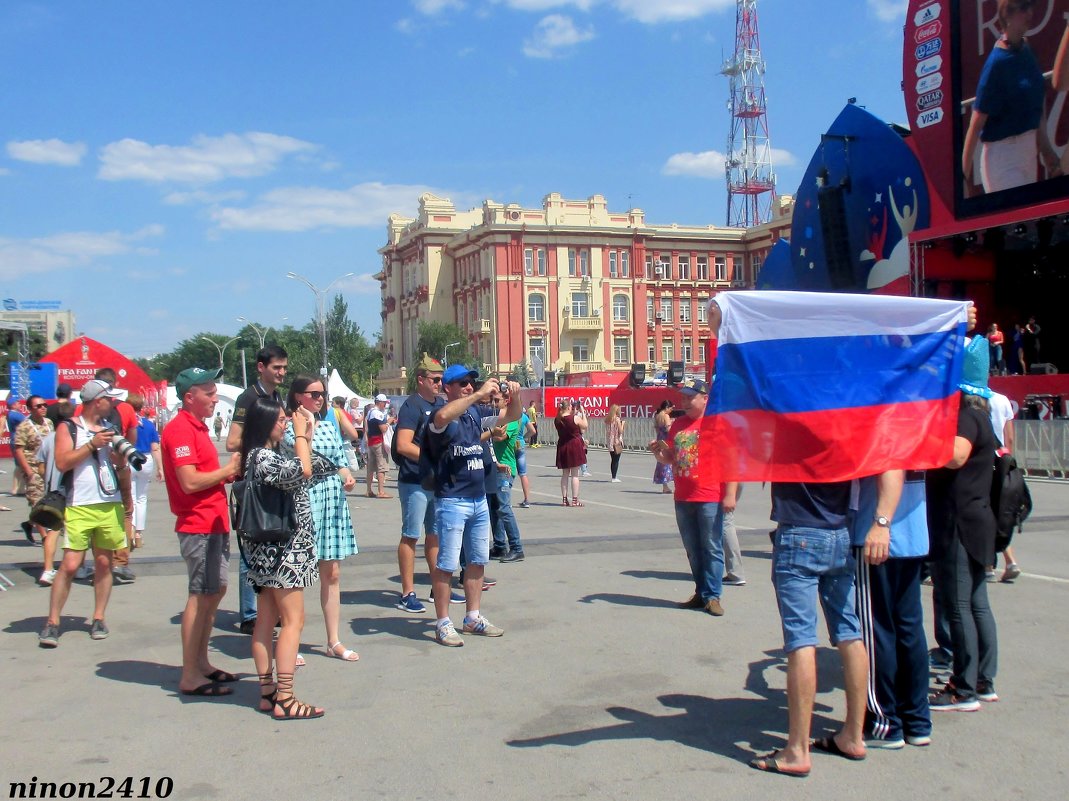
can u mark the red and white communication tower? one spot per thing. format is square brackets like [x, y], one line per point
[751, 181]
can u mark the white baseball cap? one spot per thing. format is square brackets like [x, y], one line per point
[380, 398]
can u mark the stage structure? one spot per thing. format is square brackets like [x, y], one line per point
[751, 182]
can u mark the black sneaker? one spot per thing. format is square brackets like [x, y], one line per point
[27, 529]
[49, 636]
[985, 691]
[497, 552]
[123, 575]
[247, 626]
[512, 556]
[948, 700]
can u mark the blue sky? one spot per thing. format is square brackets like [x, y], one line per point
[164, 165]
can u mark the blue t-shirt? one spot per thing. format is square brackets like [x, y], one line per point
[909, 527]
[414, 415]
[146, 435]
[458, 454]
[811, 505]
[1010, 92]
[13, 420]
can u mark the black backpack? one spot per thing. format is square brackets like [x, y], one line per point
[1011, 501]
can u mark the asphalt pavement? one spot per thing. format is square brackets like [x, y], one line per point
[601, 688]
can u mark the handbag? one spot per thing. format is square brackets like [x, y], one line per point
[49, 511]
[262, 513]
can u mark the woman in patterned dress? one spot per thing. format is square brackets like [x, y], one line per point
[662, 474]
[279, 572]
[335, 538]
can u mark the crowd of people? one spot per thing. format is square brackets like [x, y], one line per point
[459, 444]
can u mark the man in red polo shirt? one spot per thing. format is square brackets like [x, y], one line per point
[195, 488]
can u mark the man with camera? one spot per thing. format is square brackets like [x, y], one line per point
[123, 420]
[94, 512]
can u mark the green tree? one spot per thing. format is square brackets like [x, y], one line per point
[523, 374]
[433, 338]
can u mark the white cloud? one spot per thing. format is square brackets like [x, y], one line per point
[545, 5]
[432, 7]
[707, 164]
[362, 284]
[202, 196]
[710, 163]
[207, 159]
[553, 33]
[20, 257]
[888, 10]
[304, 208]
[653, 11]
[47, 151]
[5, 171]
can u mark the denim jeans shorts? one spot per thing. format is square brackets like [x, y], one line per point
[812, 563]
[417, 510]
[521, 462]
[462, 522]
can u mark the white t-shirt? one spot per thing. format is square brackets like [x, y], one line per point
[1001, 413]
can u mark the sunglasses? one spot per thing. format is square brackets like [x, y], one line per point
[315, 395]
[464, 382]
[39, 406]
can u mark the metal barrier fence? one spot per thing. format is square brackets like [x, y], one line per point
[1042, 446]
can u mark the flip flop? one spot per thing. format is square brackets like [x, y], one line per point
[768, 764]
[829, 746]
[220, 677]
[5, 509]
[208, 691]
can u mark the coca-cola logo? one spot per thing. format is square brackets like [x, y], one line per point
[926, 32]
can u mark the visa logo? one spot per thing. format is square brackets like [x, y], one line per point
[929, 83]
[927, 31]
[927, 14]
[928, 49]
[930, 100]
[929, 118]
[929, 65]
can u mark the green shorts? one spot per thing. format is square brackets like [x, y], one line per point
[98, 524]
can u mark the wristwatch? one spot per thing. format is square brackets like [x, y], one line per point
[882, 521]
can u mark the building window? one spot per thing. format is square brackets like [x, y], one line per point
[619, 308]
[664, 265]
[473, 307]
[720, 267]
[536, 307]
[612, 264]
[580, 304]
[460, 314]
[684, 268]
[703, 268]
[687, 352]
[625, 264]
[651, 351]
[668, 351]
[649, 267]
[703, 305]
[621, 350]
[581, 350]
[738, 268]
[584, 262]
[755, 267]
[541, 261]
[649, 309]
[537, 353]
[571, 262]
[684, 310]
[528, 261]
[666, 309]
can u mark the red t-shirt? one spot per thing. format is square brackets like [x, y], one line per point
[691, 484]
[185, 441]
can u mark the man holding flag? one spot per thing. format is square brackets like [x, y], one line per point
[813, 390]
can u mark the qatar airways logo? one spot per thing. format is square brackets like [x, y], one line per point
[926, 32]
[930, 100]
[927, 14]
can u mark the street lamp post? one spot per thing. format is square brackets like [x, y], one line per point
[261, 333]
[221, 348]
[320, 311]
[445, 356]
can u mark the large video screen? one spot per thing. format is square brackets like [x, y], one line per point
[1009, 82]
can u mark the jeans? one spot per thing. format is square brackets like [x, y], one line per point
[732, 551]
[506, 530]
[417, 510]
[962, 585]
[462, 523]
[521, 462]
[701, 527]
[246, 593]
[812, 563]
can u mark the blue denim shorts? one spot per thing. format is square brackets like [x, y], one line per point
[462, 522]
[521, 462]
[812, 563]
[417, 510]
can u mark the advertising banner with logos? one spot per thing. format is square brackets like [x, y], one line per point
[79, 360]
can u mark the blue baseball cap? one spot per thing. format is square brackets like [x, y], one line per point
[694, 386]
[458, 372]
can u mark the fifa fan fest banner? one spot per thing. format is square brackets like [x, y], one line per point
[597, 400]
[814, 386]
[80, 359]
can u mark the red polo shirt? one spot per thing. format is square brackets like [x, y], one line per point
[185, 441]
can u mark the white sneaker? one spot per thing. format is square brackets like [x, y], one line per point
[47, 578]
[616, 481]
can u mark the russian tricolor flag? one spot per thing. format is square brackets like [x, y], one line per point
[814, 386]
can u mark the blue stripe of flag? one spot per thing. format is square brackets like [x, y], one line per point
[827, 373]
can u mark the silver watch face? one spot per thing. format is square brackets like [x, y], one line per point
[882, 521]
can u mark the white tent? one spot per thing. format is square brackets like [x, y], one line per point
[336, 387]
